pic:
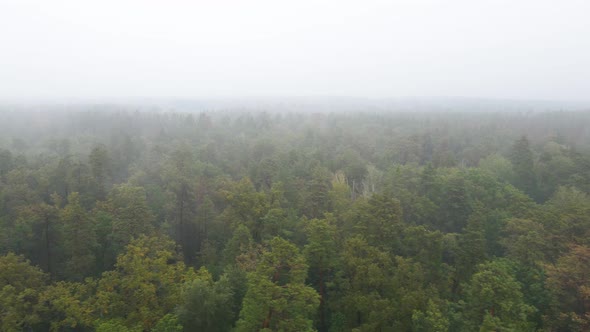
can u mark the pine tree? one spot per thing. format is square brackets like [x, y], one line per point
[277, 297]
[521, 157]
[79, 240]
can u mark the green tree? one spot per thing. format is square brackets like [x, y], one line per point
[79, 242]
[472, 246]
[127, 216]
[456, 203]
[277, 297]
[498, 166]
[525, 241]
[365, 288]
[570, 287]
[246, 206]
[430, 320]
[320, 252]
[383, 225]
[566, 217]
[100, 166]
[113, 325]
[145, 285]
[428, 183]
[494, 300]
[427, 248]
[36, 233]
[240, 243]
[5, 162]
[521, 157]
[20, 286]
[168, 323]
[206, 305]
[317, 198]
[132, 216]
[69, 305]
[179, 174]
[354, 168]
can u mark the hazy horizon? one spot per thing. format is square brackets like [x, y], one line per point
[112, 50]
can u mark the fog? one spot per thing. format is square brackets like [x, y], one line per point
[372, 49]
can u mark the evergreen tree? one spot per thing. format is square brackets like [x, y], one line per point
[494, 300]
[20, 287]
[277, 297]
[521, 157]
[79, 242]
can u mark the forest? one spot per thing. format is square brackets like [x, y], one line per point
[119, 219]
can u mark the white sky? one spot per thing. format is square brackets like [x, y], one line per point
[522, 49]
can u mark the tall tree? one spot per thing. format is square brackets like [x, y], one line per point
[317, 199]
[79, 242]
[472, 246]
[39, 228]
[100, 165]
[246, 206]
[365, 288]
[521, 157]
[5, 162]
[69, 305]
[320, 252]
[179, 174]
[457, 203]
[145, 285]
[430, 320]
[206, 305]
[570, 286]
[132, 215]
[20, 286]
[384, 223]
[277, 297]
[494, 300]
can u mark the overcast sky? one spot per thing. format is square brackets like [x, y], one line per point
[523, 49]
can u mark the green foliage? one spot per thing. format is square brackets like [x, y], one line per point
[80, 242]
[206, 305]
[494, 300]
[336, 222]
[168, 323]
[524, 241]
[567, 218]
[124, 216]
[383, 225]
[240, 243]
[113, 325]
[246, 206]
[498, 166]
[20, 286]
[521, 157]
[365, 284]
[568, 280]
[320, 253]
[132, 216]
[100, 166]
[69, 304]
[179, 173]
[277, 297]
[430, 320]
[472, 246]
[317, 199]
[145, 285]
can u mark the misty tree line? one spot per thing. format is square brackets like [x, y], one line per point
[120, 220]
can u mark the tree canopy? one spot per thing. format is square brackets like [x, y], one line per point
[113, 219]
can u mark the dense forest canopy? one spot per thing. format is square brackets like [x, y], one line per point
[113, 219]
